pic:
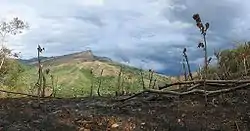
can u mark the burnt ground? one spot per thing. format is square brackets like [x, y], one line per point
[228, 112]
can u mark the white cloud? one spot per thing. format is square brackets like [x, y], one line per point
[90, 2]
[133, 30]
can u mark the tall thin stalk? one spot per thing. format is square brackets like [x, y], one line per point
[100, 83]
[53, 85]
[151, 75]
[119, 81]
[92, 83]
[154, 83]
[186, 58]
[56, 86]
[44, 84]
[39, 74]
[142, 80]
[203, 45]
[206, 65]
[184, 70]
[40, 77]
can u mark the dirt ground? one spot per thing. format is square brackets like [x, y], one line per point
[228, 112]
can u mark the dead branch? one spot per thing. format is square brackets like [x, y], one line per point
[194, 86]
[210, 84]
[219, 84]
[130, 97]
[195, 91]
[237, 126]
[207, 82]
[17, 93]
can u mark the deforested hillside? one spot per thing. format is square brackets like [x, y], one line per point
[74, 74]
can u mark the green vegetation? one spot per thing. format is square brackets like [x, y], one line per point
[231, 63]
[10, 69]
[80, 74]
[74, 79]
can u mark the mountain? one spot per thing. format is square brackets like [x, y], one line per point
[32, 60]
[72, 74]
[79, 56]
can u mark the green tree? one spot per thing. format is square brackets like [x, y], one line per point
[9, 68]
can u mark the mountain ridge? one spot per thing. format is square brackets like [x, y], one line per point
[84, 55]
[75, 72]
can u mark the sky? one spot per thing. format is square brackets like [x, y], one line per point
[142, 33]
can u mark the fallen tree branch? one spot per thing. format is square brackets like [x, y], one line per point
[228, 89]
[195, 91]
[17, 93]
[194, 86]
[219, 84]
[207, 82]
[130, 97]
[237, 126]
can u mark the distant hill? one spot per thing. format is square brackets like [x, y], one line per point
[32, 60]
[80, 56]
[74, 77]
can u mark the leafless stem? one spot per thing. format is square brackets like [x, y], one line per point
[92, 83]
[154, 84]
[119, 81]
[100, 83]
[39, 74]
[142, 80]
[184, 70]
[206, 64]
[53, 85]
[151, 74]
[189, 69]
[2, 61]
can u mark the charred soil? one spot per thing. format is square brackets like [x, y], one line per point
[227, 112]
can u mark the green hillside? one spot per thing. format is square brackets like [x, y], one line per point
[72, 75]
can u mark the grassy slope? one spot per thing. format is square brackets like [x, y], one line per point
[74, 78]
